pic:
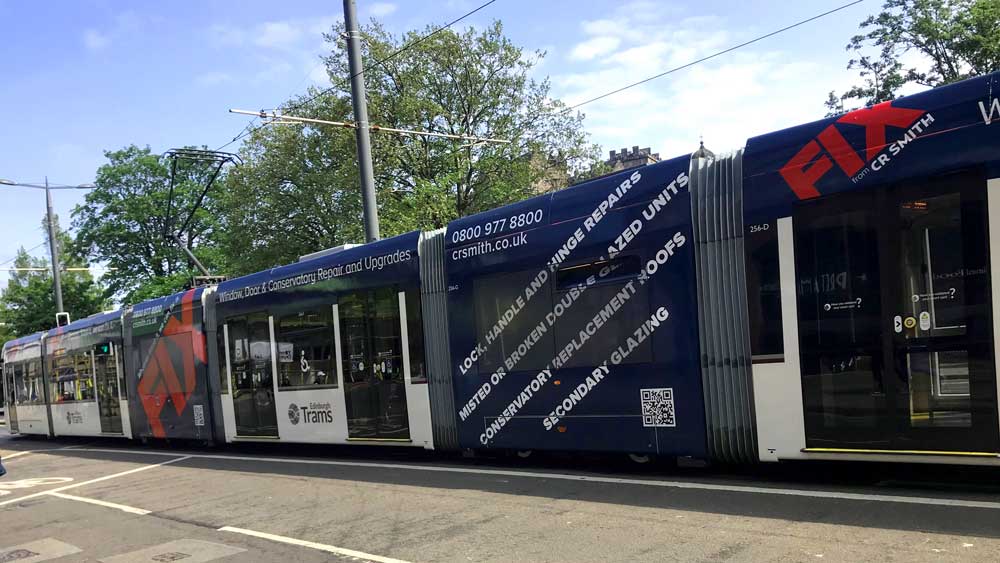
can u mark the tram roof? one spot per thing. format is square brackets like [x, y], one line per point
[22, 341]
[572, 202]
[91, 321]
[167, 300]
[407, 241]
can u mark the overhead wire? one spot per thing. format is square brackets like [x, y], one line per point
[712, 56]
[247, 131]
[30, 250]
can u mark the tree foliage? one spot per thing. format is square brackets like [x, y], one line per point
[28, 302]
[955, 40]
[299, 190]
[122, 223]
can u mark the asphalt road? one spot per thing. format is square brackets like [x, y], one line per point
[116, 502]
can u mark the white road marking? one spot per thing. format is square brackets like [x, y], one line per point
[106, 504]
[92, 481]
[40, 550]
[313, 545]
[689, 485]
[187, 550]
[18, 454]
[7, 486]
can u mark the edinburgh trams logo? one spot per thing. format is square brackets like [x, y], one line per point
[314, 413]
[810, 164]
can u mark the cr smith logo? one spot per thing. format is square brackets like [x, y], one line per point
[805, 169]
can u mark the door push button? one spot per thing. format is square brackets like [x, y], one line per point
[897, 324]
[925, 320]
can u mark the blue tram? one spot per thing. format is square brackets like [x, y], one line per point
[824, 292]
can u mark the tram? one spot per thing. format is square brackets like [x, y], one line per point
[825, 292]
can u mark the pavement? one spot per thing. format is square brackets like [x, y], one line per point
[115, 501]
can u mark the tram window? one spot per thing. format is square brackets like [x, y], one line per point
[7, 385]
[764, 292]
[610, 333]
[122, 388]
[354, 337]
[493, 296]
[19, 394]
[106, 371]
[371, 336]
[415, 334]
[305, 350]
[600, 271]
[34, 394]
[260, 340]
[387, 335]
[239, 354]
[72, 377]
[220, 340]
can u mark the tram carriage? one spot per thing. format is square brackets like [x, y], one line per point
[174, 393]
[328, 350]
[823, 293]
[85, 380]
[26, 394]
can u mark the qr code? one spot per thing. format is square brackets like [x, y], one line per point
[658, 407]
[199, 415]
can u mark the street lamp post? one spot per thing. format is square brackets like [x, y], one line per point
[51, 225]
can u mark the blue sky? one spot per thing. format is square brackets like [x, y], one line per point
[84, 76]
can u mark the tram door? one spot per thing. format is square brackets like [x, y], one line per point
[108, 395]
[895, 320]
[252, 376]
[372, 356]
[9, 399]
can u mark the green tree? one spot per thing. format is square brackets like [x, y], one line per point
[123, 220]
[299, 190]
[956, 39]
[27, 304]
[6, 330]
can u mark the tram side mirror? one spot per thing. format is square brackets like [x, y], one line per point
[62, 319]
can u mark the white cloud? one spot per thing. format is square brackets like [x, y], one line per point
[727, 100]
[95, 40]
[602, 27]
[286, 35]
[278, 35]
[593, 48]
[381, 9]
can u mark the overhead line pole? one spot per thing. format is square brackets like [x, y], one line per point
[54, 249]
[359, 97]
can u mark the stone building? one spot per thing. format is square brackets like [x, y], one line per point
[625, 158]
